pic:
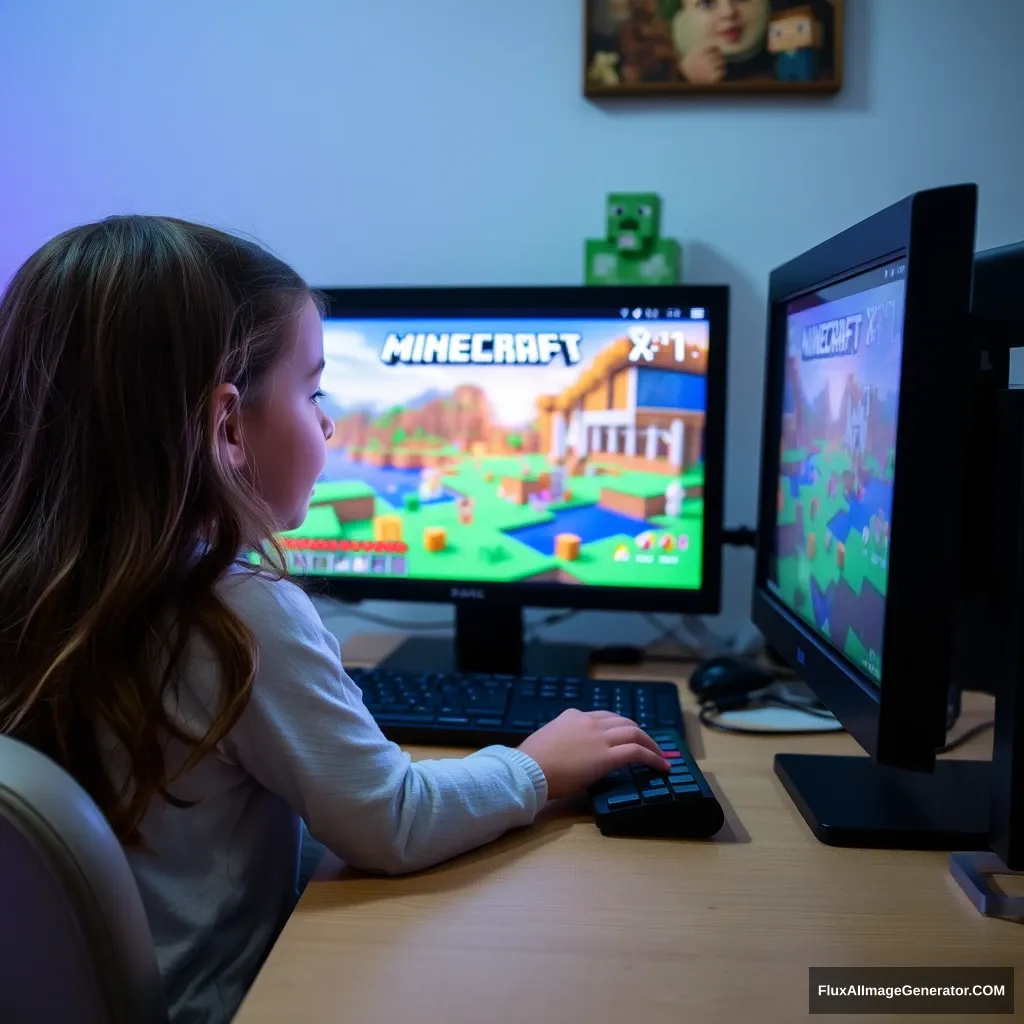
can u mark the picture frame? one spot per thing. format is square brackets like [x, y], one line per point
[650, 48]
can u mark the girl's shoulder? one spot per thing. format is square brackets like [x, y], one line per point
[269, 604]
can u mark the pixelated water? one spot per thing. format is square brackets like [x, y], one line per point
[877, 495]
[391, 484]
[588, 522]
[820, 603]
[807, 478]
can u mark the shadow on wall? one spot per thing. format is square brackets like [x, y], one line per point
[704, 264]
[747, 325]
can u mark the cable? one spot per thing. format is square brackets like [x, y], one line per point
[775, 694]
[709, 714]
[975, 730]
[672, 635]
[806, 707]
[667, 634]
[554, 619]
[740, 537]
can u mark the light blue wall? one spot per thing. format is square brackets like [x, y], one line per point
[399, 141]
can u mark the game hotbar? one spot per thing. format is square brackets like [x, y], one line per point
[498, 450]
[838, 457]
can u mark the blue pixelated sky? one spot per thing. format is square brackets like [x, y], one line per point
[356, 377]
[876, 364]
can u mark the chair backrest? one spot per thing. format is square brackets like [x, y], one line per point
[75, 943]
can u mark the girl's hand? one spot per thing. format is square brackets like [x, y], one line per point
[579, 747]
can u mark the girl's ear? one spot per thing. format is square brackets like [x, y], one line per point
[225, 413]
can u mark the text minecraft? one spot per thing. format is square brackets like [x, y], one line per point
[838, 337]
[524, 348]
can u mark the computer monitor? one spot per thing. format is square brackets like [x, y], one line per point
[506, 447]
[869, 382]
[997, 339]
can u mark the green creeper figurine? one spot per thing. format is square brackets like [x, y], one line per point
[632, 251]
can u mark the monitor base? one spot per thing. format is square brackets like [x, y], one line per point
[436, 654]
[855, 802]
[489, 639]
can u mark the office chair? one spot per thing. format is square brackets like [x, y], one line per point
[75, 944]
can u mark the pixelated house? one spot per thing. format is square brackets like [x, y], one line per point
[645, 415]
[857, 417]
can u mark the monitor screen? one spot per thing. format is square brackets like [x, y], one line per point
[838, 454]
[502, 449]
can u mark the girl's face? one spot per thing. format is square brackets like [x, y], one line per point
[736, 27]
[284, 435]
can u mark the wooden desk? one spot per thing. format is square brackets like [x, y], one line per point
[556, 923]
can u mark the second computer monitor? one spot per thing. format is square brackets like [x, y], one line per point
[531, 446]
[864, 449]
[841, 391]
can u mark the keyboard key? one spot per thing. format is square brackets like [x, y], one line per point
[623, 800]
[655, 796]
[411, 719]
[523, 723]
[656, 783]
[453, 720]
[489, 723]
[680, 778]
[686, 790]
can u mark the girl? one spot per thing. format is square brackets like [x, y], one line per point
[158, 409]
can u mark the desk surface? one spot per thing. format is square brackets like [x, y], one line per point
[558, 923]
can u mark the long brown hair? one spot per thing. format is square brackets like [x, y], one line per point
[117, 517]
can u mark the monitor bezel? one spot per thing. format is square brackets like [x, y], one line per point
[902, 721]
[566, 301]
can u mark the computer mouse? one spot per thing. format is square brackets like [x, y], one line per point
[725, 678]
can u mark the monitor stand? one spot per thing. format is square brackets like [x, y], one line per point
[489, 638]
[854, 801]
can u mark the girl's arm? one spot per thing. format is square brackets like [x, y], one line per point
[307, 736]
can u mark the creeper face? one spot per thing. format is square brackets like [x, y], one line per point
[634, 222]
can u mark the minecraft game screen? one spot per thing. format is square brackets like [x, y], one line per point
[512, 450]
[838, 453]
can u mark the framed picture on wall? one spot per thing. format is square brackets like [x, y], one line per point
[681, 47]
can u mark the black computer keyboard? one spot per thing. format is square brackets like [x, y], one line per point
[474, 710]
[471, 709]
[636, 801]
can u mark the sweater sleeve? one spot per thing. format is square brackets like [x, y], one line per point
[307, 736]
